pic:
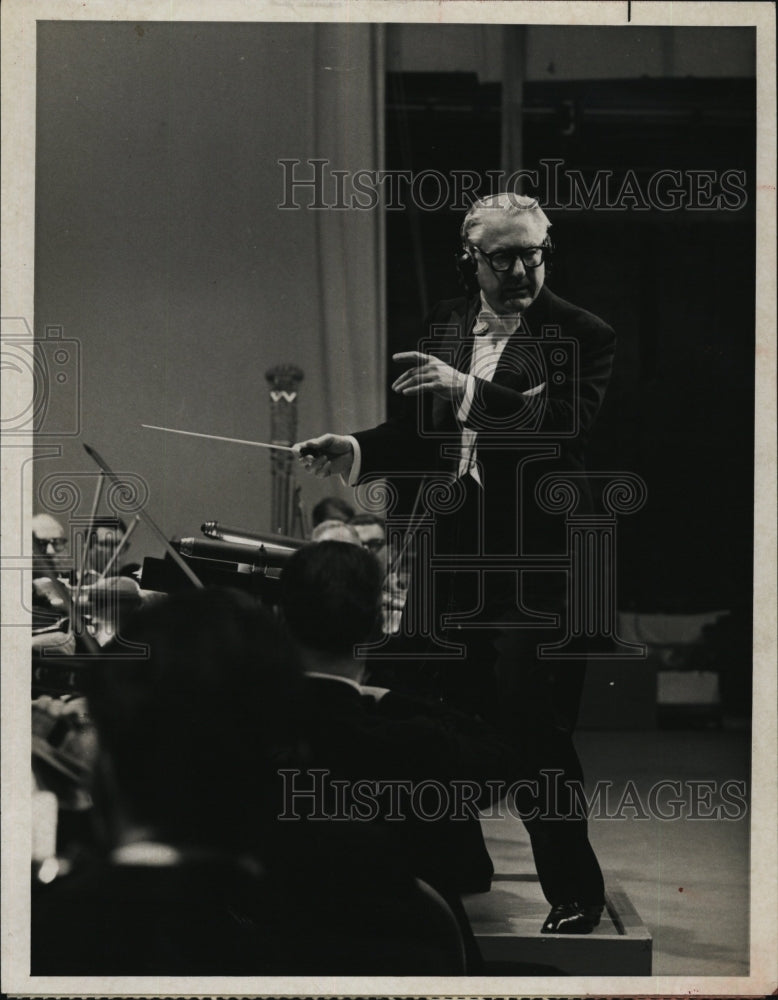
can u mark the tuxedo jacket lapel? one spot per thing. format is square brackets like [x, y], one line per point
[521, 364]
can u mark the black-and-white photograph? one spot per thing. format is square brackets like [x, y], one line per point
[388, 547]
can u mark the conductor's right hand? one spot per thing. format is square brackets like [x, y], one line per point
[327, 455]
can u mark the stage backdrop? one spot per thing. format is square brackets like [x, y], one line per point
[161, 249]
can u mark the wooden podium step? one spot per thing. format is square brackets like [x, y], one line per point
[507, 921]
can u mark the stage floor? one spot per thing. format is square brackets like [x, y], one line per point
[688, 879]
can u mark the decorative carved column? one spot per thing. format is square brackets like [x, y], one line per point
[284, 380]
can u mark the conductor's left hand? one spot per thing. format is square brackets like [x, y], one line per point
[428, 374]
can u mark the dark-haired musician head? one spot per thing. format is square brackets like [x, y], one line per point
[331, 595]
[107, 533]
[331, 509]
[190, 727]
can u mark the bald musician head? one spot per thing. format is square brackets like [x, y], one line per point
[49, 540]
[335, 531]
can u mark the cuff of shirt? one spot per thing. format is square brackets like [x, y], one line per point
[467, 401]
[356, 466]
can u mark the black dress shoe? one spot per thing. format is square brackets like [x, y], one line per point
[572, 918]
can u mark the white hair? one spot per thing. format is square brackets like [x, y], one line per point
[506, 201]
[45, 523]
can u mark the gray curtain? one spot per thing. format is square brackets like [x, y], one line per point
[161, 248]
[347, 82]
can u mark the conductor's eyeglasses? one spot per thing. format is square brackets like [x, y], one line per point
[504, 260]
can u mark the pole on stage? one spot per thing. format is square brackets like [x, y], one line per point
[284, 380]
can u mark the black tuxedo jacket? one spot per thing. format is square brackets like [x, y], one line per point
[521, 437]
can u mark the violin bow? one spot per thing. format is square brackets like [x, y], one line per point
[122, 544]
[148, 521]
[88, 535]
[414, 522]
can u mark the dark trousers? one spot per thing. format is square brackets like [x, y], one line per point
[533, 699]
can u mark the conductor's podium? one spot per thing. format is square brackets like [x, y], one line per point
[507, 921]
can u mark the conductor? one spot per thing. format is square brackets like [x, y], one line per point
[502, 391]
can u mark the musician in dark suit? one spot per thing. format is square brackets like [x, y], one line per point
[416, 770]
[502, 391]
[197, 878]
[331, 596]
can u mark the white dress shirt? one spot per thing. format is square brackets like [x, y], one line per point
[492, 332]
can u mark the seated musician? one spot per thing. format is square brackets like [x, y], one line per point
[195, 880]
[50, 548]
[372, 534]
[331, 603]
[49, 539]
[107, 542]
[367, 530]
[103, 591]
[51, 571]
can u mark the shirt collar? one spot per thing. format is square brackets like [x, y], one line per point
[159, 854]
[333, 677]
[150, 853]
[489, 322]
